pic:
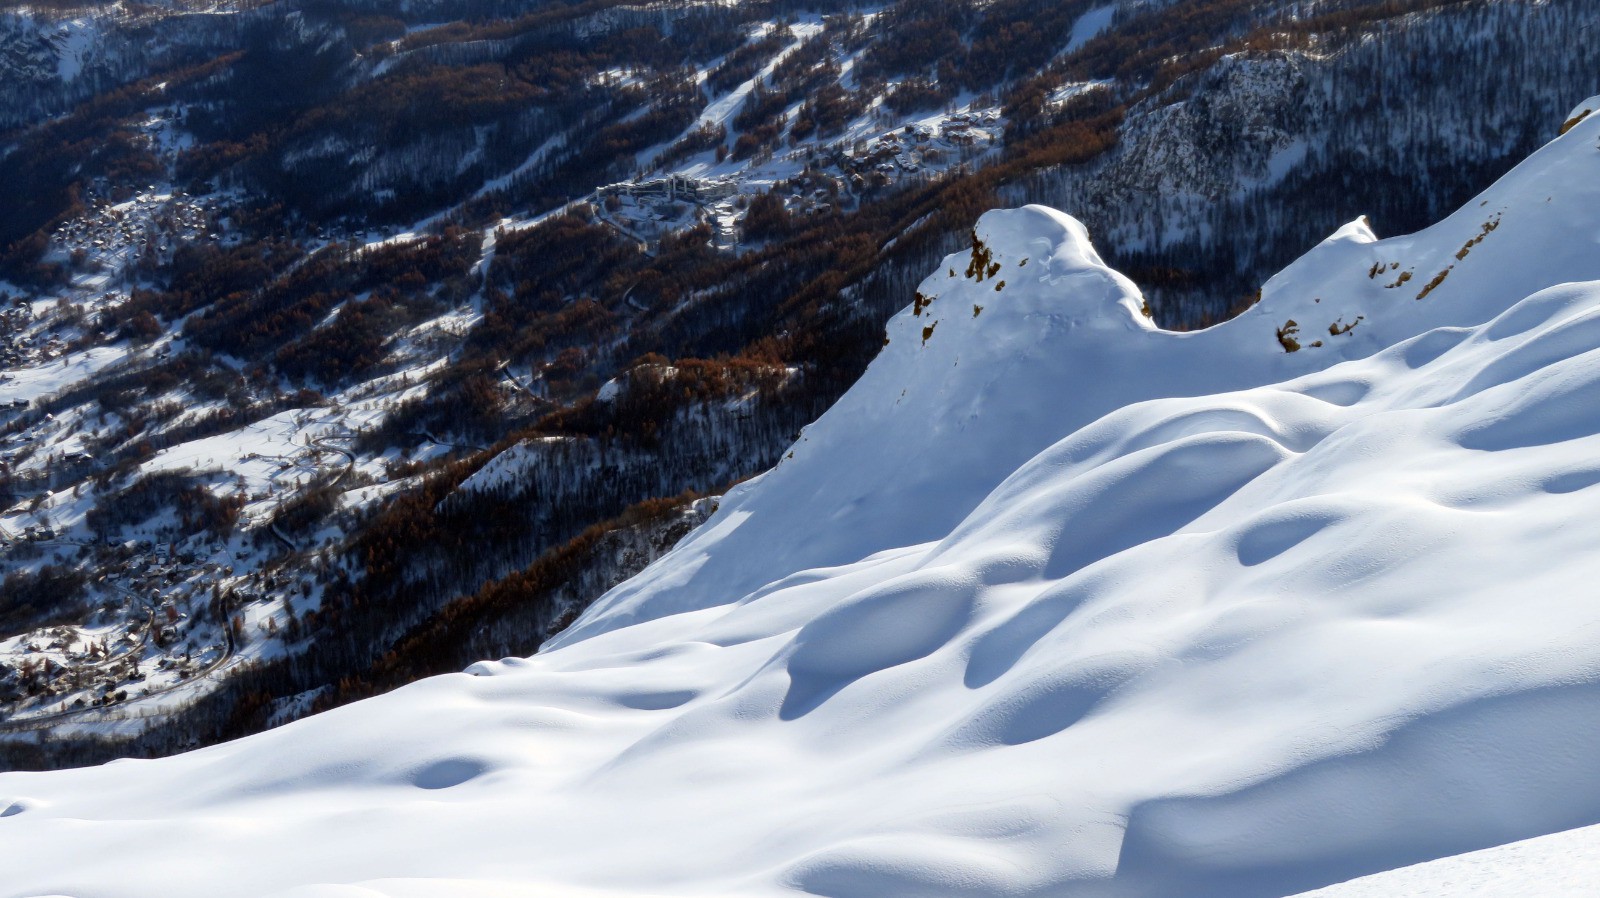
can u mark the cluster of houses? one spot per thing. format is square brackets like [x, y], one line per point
[64, 663]
[863, 165]
[673, 188]
[18, 347]
[114, 234]
[968, 128]
[915, 147]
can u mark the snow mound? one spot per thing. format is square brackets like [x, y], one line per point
[1052, 601]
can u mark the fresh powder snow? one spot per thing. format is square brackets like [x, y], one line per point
[1563, 865]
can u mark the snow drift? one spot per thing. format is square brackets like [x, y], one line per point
[1052, 601]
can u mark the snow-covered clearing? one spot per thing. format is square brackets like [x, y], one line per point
[29, 384]
[1089, 26]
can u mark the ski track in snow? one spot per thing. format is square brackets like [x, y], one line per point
[1050, 602]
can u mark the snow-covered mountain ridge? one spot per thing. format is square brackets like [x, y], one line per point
[1069, 323]
[1051, 600]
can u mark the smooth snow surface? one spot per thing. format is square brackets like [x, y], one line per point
[1052, 602]
[1089, 26]
[1564, 865]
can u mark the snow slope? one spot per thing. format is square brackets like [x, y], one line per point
[983, 394]
[1051, 602]
[1563, 865]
